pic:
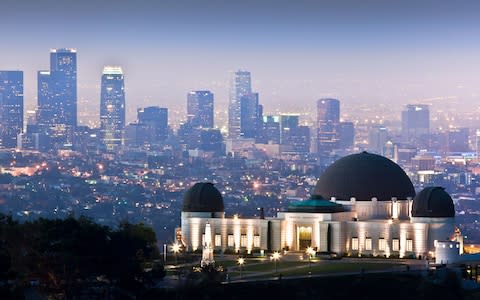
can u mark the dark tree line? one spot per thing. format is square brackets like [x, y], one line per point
[66, 256]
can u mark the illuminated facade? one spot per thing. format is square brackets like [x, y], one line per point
[112, 108]
[363, 204]
[240, 86]
[57, 99]
[11, 107]
[328, 119]
[200, 109]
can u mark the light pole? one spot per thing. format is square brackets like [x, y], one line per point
[275, 257]
[240, 262]
[175, 250]
[311, 253]
[165, 253]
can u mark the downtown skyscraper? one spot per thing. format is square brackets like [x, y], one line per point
[415, 122]
[240, 86]
[328, 119]
[200, 109]
[57, 99]
[112, 108]
[11, 107]
[249, 115]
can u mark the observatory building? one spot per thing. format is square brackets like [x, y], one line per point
[363, 204]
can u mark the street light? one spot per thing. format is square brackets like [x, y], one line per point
[241, 262]
[311, 253]
[275, 257]
[175, 249]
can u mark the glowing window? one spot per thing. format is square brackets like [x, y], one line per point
[409, 245]
[354, 243]
[256, 241]
[396, 245]
[243, 240]
[368, 244]
[218, 240]
[382, 244]
[230, 241]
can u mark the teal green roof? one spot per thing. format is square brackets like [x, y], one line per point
[315, 205]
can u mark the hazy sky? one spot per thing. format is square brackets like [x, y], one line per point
[297, 51]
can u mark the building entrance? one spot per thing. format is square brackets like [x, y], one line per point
[304, 237]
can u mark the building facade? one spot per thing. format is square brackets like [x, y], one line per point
[200, 109]
[11, 107]
[328, 119]
[57, 100]
[112, 108]
[240, 86]
[415, 121]
[363, 204]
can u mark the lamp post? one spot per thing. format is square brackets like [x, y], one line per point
[165, 253]
[275, 257]
[240, 262]
[175, 250]
[311, 253]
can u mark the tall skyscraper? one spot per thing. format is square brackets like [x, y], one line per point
[249, 115]
[63, 72]
[153, 121]
[377, 139]
[295, 139]
[11, 107]
[288, 123]
[240, 85]
[270, 130]
[112, 107]
[200, 109]
[57, 99]
[346, 135]
[328, 119]
[415, 122]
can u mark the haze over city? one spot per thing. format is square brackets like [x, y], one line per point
[298, 51]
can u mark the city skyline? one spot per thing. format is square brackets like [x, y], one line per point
[372, 52]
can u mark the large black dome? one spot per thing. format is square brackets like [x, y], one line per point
[433, 202]
[203, 197]
[364, 176]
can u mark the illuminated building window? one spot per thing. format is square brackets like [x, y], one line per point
[409, 245]
[396, 245]
[354, 243]
[218, 240]
[368, 244]
[231, 241]
[256, 241]
[243, 240]
[203, 239]
[382, 244]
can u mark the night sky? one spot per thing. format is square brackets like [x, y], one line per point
[297, 51]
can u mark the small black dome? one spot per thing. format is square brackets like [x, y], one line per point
[364, 176]
[433, 202]
[203, 197]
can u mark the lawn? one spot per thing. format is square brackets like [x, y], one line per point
[291, 268]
